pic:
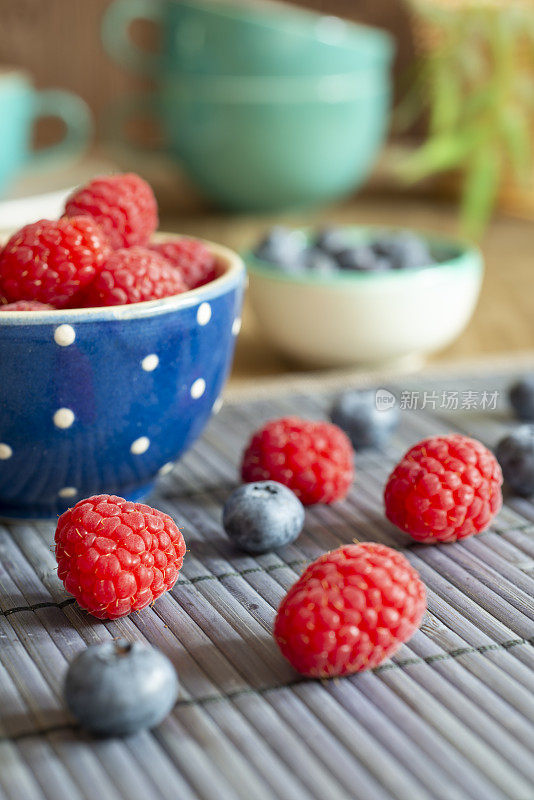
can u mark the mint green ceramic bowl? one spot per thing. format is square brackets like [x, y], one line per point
[221, 37]
[268, 144]
[380, 319]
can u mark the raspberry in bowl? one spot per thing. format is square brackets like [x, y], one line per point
[101, 394]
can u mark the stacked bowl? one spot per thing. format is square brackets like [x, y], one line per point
[265, 106]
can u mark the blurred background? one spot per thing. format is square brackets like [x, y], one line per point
[244, 115]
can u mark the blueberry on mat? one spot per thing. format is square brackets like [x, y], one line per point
[522, 398]
[366, 425]
[515, 454]
[262, 516]
[120, 687]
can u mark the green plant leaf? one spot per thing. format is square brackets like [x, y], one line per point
[438, 154]
[516, 130]
[447, 94]
[480, 189]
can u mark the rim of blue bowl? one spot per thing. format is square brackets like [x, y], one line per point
[467, 257]
[328, 29]
[234, 269]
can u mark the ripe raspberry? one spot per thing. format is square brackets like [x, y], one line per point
[445, 488]
[115, 556]
[350, 609]
[50, 261]
[131, 275]
[123, 205]
[192, 258]
[26, 305]
[314, 459]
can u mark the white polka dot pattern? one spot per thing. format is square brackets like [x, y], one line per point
[63, 418]
[204, 313]
[150, 362]
[68, 491]
[140, 445]
[166, 468]
[5, 451]
[64, 335]
[198, 388]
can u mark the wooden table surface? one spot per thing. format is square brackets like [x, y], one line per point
[503, 321]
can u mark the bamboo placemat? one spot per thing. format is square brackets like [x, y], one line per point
[449, 718]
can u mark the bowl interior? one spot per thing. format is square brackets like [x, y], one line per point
[449, 253]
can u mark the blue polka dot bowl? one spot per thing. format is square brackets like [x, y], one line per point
[105, 399]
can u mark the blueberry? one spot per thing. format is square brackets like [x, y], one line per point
[332, 241]
[283, 248]
[404, 250]
[120, 687]
[263, 516]
[357, 414]
[361, 258]
[515, 454]
[319, 262]
[522, 398]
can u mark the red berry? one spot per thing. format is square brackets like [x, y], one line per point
[350, 609]
[314, 459]
[50, 261]
[123, 205]
[192, 258]
[26, 305]
[115, 556]
[445, 488]
[131, 275]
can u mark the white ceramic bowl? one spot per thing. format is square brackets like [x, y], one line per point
[373, 319]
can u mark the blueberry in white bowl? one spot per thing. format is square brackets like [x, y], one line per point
[291, 250]
[118, 688]
[403, 250]
[262, 516]
[283, 247]
[318, 262]
[332, 241]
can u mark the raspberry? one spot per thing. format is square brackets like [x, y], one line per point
[445, 488]
[49, 261]
[350, 609]
[192, 258]
[131, 275]
[115, 556]
[123, 205]
[314, 459]
[26, 305]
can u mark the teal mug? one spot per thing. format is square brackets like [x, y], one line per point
[221, 37]
[267, 144]
[20, 106]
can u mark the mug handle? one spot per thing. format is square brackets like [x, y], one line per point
[120, 113]
[76, 115]
[116, 38]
